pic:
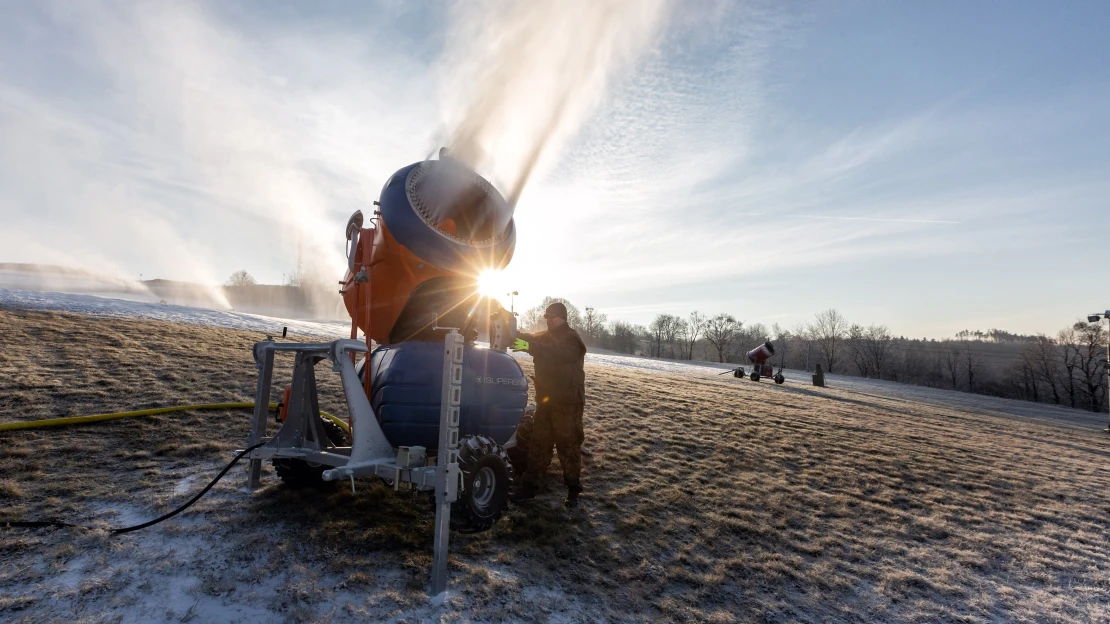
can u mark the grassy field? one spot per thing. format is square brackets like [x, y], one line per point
[706, 500]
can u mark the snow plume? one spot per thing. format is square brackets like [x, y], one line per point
[166, 138]
[521, 77]
[217, 125]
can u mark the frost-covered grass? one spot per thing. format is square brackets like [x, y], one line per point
[708, 499]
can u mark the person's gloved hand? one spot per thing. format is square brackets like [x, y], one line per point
[520, 345]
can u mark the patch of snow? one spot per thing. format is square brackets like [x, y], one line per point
[76, 570]
[440, 599]
[183, 486]
[122, 308]
[119, 515]
[798, 380]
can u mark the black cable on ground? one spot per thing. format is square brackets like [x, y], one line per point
[35, 524]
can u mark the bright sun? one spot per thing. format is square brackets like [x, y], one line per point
[491, 284]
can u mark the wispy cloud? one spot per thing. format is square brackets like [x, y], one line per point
[192, 140]
[877, 219]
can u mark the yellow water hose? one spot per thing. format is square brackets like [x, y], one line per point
[80, 420]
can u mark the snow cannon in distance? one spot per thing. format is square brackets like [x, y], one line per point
[438, 227]
[759, 357]
[762, 353]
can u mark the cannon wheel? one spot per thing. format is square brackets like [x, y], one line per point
[487, 474]
[519, 452]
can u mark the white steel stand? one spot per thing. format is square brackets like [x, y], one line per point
[370, 453]
[447, 468]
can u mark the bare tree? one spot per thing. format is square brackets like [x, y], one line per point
[720, 331]
[1044, 356]
[690, 331]
[971, 365]
[857, 349]
[670, 336]
[829, 329]
[241, 278]
[1024, 372]
[1068, 340]
[664, 330]
[782, 339]
[950, 363]
[877, 344]
[804, 339]
[1092, 362]
[656, 330]
[593, 326]
[532, 320]
[624, 337]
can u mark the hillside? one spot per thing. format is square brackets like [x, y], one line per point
[708, 499]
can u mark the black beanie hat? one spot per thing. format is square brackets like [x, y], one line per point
[556, 309]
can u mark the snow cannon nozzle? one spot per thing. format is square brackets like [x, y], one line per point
[439, 226]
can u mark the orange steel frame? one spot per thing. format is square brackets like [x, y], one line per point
[392, 273]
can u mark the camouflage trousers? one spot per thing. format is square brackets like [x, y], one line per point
[560, 425]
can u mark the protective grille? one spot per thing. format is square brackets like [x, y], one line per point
[446, 194]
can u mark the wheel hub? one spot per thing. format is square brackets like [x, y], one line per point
[483, 486]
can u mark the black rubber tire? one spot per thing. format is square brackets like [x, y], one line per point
[779, 379]
[754, 376]
[300, 474]
[738, 373]
[518, 454]
[487, 475]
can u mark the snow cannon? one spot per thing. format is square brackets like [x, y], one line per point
[429, 410]
[438, 226]
[762, 353]
[759, 357]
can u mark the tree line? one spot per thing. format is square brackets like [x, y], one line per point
[1066, 369]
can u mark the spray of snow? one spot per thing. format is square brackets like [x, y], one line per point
[521, 77]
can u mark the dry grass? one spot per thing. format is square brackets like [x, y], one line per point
[707, 500]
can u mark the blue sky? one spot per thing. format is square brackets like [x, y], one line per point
[929, 166]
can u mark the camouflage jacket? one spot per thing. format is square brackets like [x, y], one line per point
[559, 357]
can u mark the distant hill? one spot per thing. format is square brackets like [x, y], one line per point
[307, 302]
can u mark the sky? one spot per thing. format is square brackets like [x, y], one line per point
[928, 166]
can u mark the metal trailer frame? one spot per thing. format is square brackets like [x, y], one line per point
[739, 372]
[302, 437]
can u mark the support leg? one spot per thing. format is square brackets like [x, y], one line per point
[447, 473]
[261, 413]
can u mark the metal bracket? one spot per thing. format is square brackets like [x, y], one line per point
[302, 437]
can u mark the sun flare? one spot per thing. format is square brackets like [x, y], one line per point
[492, 284]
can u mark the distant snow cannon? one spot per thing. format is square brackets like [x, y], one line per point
[439, 226]
[759, 357]
[762, 353]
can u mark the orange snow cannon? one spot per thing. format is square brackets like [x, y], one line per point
[438, 226]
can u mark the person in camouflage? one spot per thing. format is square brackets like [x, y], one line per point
[558, 355]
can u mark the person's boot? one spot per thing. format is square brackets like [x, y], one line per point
[526, 492]
[572, 496]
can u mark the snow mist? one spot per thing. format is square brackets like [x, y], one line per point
[521, 77]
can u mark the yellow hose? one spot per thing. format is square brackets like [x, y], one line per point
[79, 420]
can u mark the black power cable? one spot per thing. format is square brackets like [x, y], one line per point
[35, 524]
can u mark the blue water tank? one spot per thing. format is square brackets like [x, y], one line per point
[407, 382]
